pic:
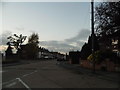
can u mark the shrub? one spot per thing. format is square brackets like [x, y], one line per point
[100, 56]
[97, 56]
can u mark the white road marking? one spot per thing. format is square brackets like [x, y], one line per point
[24, 84]
[8, 82]
[11, 84]
[29, 74]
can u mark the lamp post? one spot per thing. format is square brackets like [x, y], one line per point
[92, 32]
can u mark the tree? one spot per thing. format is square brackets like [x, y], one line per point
[16, 40]
[32, 46]
[87, 47]
[9, 52]
[85, 51]
[96, 56]
[107, 18]
[96, 44]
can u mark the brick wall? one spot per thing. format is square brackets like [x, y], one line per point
[110, 66]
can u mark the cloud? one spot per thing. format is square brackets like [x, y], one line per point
[58, 46]
[74, 43]
[81, 36]
[3, 37]
[79, 39]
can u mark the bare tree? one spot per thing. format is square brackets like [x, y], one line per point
[107, 18]
[16, 40]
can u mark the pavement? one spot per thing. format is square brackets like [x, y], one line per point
[50, 74]
[112, 76]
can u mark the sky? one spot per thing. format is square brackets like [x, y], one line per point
[62, 26]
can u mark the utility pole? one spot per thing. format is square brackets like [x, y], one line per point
[92, 29]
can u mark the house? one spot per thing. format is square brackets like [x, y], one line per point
[44, 54]
[58, 56]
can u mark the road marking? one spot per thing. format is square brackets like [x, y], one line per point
[8, 82]
[14, 83]
[29, 73]
[24, 83]
[11, 84]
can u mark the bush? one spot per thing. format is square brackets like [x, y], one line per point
[97, 56]
[100, 56]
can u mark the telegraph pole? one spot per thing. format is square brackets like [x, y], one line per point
[92, 29]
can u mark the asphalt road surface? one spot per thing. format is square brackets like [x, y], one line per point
[48, 74]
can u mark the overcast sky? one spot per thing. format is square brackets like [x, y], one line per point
[62, 26]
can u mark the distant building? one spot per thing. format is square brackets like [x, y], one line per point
[59, 56]
[74, 57]
[44, 54]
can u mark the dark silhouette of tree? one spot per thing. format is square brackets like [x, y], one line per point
[32, 47]
[87, 47]
[96, 44]
[9, 52]
[107, 18]
[85, 51]
[16, 40]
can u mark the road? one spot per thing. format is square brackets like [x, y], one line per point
[48, 74]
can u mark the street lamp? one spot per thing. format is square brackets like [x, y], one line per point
[92, 29]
